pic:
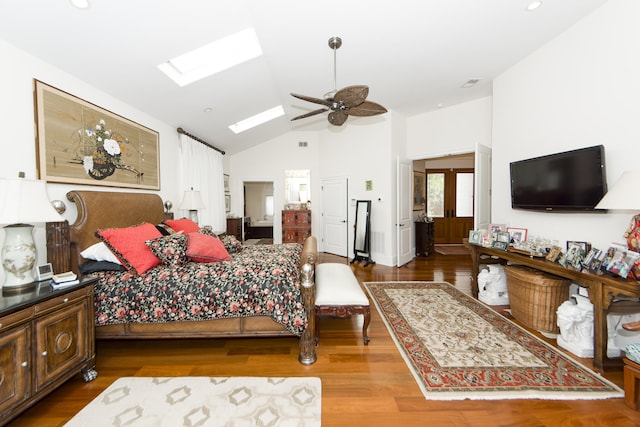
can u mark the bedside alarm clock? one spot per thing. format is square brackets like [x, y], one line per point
[44, 272]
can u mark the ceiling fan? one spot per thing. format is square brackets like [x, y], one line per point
[348, 101]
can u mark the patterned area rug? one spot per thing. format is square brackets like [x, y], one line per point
[205, 401]
[458, 348]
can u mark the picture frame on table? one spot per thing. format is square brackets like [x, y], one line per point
[503, 236]
[575, 255]
[590, 257]
[517, 235]
[81, 143]
[585, 246]
[497, 244]
[554, 253]
[495, 228]
[475, 237]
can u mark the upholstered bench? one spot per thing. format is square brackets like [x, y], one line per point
[338, 294]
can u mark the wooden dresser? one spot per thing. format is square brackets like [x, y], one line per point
[425, 242]
[235, 227]
[46, 337]
[296, 225]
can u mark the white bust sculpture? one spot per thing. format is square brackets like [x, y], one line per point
[576, 322]
[492, 285]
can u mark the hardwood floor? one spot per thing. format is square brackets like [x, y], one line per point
[362, 385]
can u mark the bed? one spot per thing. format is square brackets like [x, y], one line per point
[234, 298]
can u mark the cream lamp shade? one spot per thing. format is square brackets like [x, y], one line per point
[22, 202]
[624, 193]
[192, 202]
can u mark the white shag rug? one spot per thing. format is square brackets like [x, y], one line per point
[205, 401]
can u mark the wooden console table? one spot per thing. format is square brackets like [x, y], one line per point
[603, 289]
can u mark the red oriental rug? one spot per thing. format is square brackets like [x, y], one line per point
[459, 348]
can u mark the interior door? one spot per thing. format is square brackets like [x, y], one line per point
[404, 215]
[335, 226]
[450, 203]
[482, 191]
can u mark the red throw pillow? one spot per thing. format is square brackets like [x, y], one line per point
[183, 224]
[128, 245]
[204, 248]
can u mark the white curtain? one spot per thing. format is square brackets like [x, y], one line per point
[202, 170]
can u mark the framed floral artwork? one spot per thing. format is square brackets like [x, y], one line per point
[419, 191]
[81, 143]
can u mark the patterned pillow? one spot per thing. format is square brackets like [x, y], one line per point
[231, 244]
[203, 248]
[183, 224]
[128, 245]
[171, 249]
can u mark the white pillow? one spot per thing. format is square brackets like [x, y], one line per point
[100, 252]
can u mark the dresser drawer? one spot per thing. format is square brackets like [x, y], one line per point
[61, 299]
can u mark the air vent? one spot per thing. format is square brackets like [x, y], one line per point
[470, 83]
[302, 143]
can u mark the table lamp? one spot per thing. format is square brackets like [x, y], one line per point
[624, 196]
[192, 202]
[23, 202]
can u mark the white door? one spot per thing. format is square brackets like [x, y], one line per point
[404, 225]
[482, 190]
[335, 226]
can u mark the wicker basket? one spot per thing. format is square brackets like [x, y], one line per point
[535, 296]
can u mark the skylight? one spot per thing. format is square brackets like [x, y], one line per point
[213, 57]
[258, 119]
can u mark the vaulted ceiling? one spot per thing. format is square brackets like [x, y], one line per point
[414, 55]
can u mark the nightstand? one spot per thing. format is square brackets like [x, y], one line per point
[46, 337]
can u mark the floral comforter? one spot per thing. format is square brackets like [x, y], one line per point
[259, 280]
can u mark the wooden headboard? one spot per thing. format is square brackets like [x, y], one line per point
[104, 209]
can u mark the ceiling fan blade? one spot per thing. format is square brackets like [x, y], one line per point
[337, 118]
[312, 99]
[352, 96]
[311, 113]
[367, 108]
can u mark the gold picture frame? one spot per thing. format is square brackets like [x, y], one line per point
[419, 191]
[81, 143]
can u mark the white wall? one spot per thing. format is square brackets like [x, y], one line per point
[451, 130]
[18, 137]
[267, 162]
[359, 151]
[579, 90]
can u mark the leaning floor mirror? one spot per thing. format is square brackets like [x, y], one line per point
[362, 237]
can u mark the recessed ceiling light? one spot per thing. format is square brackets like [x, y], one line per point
[534, 5]
[208, 110]
[258, 119]
[213, 57]
[80, 4]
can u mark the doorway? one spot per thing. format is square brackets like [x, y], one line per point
[258, 210]
[450, 203]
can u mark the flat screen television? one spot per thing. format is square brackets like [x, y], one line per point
[573, 180]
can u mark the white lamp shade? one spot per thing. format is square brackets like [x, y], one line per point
[624, 193]
[192, 201]
[25, 201]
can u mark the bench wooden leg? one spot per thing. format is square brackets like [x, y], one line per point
[365, 326]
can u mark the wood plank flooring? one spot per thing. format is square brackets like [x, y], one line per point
[362, 385]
